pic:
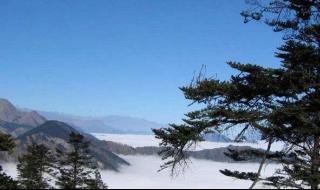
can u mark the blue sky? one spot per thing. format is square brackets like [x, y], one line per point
[128, 57]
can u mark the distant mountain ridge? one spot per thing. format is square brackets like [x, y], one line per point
[9, 113]
[55, 134]
[30, 127]
[215, 154]
[112, 124]
[15, 121]
[13, 128]
[108, 124]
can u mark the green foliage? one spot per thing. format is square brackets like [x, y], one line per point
[240, 175]
[77, 168]
[291, 16]
[283, 104]
[6, 142]
[96, 182]
[32, 167]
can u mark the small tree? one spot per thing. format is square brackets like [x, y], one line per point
[77, 168]
[32, 168]
[96, 182]
[6, 144]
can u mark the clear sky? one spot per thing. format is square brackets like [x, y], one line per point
[125, 57]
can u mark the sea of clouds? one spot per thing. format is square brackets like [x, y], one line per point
[143, 172]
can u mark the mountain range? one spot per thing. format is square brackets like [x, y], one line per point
[31, 127]
[53, 129]
[108, 124]
[17, 121]
[9, 113]
[55, 134]
[111, 124]
[114, 124]
[215, 154]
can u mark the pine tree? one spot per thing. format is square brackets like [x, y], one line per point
[6, 182]
[34, 166]
[283, 104]
[96, 182]
[77, 169]
[6, 144]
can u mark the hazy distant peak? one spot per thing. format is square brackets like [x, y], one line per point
[107, 124]
[4, 101]
[6, 107]
[9, 113]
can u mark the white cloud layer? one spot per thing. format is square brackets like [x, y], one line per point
[142, 174]
[201, 174]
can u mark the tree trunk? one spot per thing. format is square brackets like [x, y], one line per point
[315, 163]
[261, 164]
